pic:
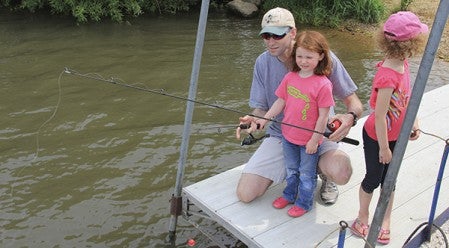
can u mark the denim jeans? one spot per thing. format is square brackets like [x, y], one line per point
[301, 174]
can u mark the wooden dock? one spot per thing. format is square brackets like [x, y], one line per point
[258, 224]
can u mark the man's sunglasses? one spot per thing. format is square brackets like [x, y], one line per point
[267, 36]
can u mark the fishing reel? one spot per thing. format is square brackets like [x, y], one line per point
[333, 126]
[252, 140]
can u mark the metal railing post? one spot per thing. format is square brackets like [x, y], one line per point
[176, 201]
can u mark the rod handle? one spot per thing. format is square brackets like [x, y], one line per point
[246, 126]
[345, 139]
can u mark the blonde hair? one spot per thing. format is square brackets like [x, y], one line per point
[400, 49]
[314, 41]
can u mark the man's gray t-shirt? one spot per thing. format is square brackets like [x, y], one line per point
[268, 74]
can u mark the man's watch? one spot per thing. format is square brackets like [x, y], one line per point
[355, 118]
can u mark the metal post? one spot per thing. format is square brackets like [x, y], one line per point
[412, 110]
[428, 230]
[342, 234]
[176, 201]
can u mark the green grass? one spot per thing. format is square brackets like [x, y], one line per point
[331, 13]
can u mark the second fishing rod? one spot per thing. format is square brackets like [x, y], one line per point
[163, 93]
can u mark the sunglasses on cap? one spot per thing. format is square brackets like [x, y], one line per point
[267, 36]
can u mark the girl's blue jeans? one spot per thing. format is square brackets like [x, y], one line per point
[301, 174]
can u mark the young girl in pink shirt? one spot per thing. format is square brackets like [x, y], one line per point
[305, 96]
[399, 39]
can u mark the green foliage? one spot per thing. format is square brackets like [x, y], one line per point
[96, 10]
[369, 11]
[331, 12]
[315, 12]
[405, 4]
[167, 6]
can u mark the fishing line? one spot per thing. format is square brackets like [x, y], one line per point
[162, 92]
[433, 135]
[36, 154]
[120, 82]
[219, 128]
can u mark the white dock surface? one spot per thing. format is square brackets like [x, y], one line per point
[258, 224]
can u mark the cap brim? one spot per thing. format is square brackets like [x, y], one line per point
[424, 28]
[274, 30]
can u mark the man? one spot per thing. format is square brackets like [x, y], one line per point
[266, 166]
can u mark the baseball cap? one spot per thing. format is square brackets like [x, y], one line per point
[277, 21]
[404, 25]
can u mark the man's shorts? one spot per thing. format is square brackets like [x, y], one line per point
[268, 160]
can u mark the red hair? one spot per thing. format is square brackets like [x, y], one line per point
[314, 41]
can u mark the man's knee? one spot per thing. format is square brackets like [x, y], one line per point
[336, 166]
[245, 196]
[251, 186]
[345, 174]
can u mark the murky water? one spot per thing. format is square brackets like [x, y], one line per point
[84, 163]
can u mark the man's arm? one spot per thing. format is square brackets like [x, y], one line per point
[344, 88]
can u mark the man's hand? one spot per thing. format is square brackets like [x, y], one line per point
[346, 123]
[248, 121]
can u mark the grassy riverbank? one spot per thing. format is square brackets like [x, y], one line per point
[426, 10]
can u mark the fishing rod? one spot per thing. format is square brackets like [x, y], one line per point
[163, 93]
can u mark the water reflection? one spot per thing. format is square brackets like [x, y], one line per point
[106, 161]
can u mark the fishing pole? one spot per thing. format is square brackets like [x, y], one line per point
[163, 93]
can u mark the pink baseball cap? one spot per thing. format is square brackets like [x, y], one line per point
[404, 25]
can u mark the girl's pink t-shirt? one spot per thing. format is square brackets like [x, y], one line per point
[400, 82]
[303, 97]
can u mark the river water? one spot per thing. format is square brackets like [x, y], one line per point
[84, 163]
